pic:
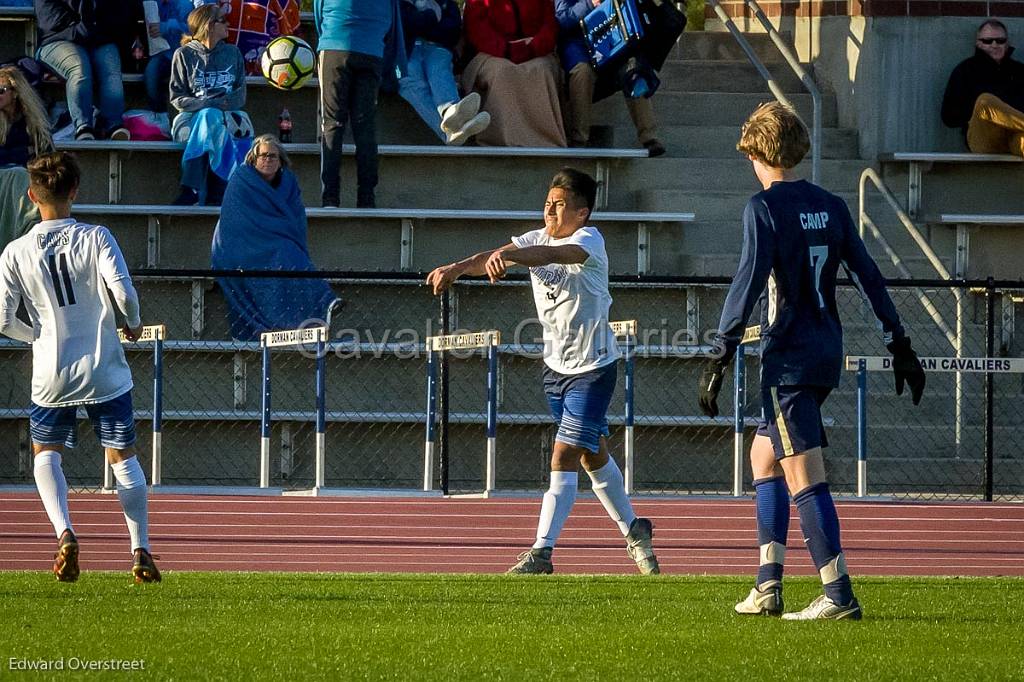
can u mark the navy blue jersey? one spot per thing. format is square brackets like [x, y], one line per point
[795, 238]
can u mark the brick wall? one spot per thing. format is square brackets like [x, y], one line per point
[877, 8]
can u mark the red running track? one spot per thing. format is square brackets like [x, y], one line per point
[692, 536]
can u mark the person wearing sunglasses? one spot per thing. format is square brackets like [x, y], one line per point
[985, 94]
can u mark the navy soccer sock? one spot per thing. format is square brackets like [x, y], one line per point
[772, 526]
[820, 524]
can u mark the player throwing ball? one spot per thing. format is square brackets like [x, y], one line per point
[569, 273]
[61, 270]
[795, 237]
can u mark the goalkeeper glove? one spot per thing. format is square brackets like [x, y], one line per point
[710, 385]
[907, 368]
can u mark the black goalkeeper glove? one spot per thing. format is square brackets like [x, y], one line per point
[907, 368]
[710, 385]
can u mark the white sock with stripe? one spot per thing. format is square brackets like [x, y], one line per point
[611, 490]
[555, 508]
[53, 489]
[131, 491]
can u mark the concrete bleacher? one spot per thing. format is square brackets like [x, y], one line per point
[677, 215]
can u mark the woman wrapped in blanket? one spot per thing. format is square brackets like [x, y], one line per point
[208, 88]
[263, 227]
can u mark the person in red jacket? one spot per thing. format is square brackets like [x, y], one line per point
[515, 71]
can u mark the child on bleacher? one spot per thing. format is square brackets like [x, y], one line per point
[208, 88]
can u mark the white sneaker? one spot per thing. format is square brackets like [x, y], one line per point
[824, 608]
[458, 114]
[763, 602]
[476, 125]
[120, 135]
[640, 548]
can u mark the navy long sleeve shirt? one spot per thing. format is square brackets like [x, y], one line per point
[796, 236]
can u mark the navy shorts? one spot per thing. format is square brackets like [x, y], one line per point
[112, 421]
[579, 404]
[791, 418]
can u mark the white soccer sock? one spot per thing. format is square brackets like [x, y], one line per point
[131, 491]
[610, 489]
[53, 489]
[554, 510]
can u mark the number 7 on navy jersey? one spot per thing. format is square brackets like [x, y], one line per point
[65, 295]
[818, 254]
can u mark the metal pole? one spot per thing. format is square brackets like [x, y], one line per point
[265, 422]
[862, 428]
[630, 452]
[321, 410]
[442, 445]
[492, 417]
[739, 399]
[158, 408]
[990, 330]
[428, 446]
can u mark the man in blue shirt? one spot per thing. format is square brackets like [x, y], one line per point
[359, 41]
[795, 237]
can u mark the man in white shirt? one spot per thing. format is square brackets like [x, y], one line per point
[569, 274]
[61, 270]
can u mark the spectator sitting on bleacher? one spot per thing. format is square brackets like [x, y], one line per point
[432, 29]
[252, 24]
[263, 227]
[208, 88]
[985, 95]
[173, 23]
[515, 71]
[24, 134]
[583, 79]
[78, 40]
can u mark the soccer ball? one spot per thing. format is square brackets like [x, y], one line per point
[288, 62]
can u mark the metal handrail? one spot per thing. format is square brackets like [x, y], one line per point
[864, 220]
[794, 64]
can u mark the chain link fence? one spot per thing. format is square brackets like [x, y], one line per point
[375, 397]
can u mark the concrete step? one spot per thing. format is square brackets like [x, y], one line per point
[719, 108]
[719, 75]
[713, 141]
[710, 44]
[729, 174]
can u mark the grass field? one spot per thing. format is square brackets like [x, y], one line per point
[344, 626]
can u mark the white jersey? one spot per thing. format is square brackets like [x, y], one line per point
[61, 269]
[572, 303]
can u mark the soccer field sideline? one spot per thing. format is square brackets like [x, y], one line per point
[692, 536]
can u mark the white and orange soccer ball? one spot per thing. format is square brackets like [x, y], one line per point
[288, 62]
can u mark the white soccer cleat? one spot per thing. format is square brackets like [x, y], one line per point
[639, 547]
[824, 608]
[763, 602]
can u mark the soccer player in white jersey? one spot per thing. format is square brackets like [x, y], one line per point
[569, 273]
[61, 270]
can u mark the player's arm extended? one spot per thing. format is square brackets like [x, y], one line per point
[441, 278]
[533, 256]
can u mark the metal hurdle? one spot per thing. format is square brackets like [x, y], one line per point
[157, 334]
[627, 329]
[439, 344]
[288, 338]
[988, 366]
